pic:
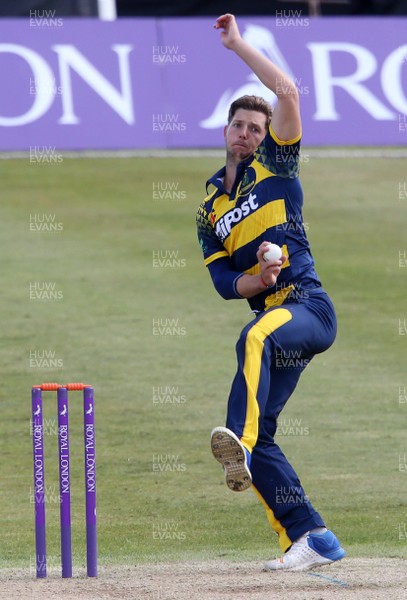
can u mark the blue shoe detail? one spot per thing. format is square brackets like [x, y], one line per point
[326, 545]
[248, 457]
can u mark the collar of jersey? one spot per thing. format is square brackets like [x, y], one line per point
[217, 179]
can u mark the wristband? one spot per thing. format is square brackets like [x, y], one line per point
[263, 282]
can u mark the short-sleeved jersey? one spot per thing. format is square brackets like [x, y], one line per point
[265, 204]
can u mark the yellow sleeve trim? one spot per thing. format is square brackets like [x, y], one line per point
[215, 256]
[284, 142]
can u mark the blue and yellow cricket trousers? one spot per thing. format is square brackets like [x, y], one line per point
[272, 352]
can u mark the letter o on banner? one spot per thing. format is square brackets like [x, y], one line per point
[44, 80]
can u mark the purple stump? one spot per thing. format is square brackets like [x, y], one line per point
[39, 482]
[90, 482]
[64, 482]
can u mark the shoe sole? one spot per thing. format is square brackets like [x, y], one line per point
[230, 453]
[321, 562]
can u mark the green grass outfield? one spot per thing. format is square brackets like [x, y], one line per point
[344, 428]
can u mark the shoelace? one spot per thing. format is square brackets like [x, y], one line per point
[298, 550]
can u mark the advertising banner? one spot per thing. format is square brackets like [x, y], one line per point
[167, 83]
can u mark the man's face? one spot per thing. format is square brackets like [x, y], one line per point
[244, 133]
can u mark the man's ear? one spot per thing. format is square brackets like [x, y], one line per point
[225, 130]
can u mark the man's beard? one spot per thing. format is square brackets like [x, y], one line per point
[238, 154]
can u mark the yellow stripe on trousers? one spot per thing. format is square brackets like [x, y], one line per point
[271, 321]
[283, 539]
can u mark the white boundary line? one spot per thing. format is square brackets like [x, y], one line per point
[368, 152]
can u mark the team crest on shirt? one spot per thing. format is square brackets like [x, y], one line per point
[248, 182]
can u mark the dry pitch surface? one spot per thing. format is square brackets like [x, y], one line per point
[365, 578]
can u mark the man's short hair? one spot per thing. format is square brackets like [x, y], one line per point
[251, 103]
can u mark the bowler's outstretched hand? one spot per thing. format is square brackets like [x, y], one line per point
[230, 34]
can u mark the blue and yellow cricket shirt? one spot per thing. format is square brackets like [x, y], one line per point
[265, 204]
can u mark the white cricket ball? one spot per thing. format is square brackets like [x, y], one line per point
[272, 253]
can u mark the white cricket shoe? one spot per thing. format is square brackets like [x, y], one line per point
[233, 456]
[309, 551]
